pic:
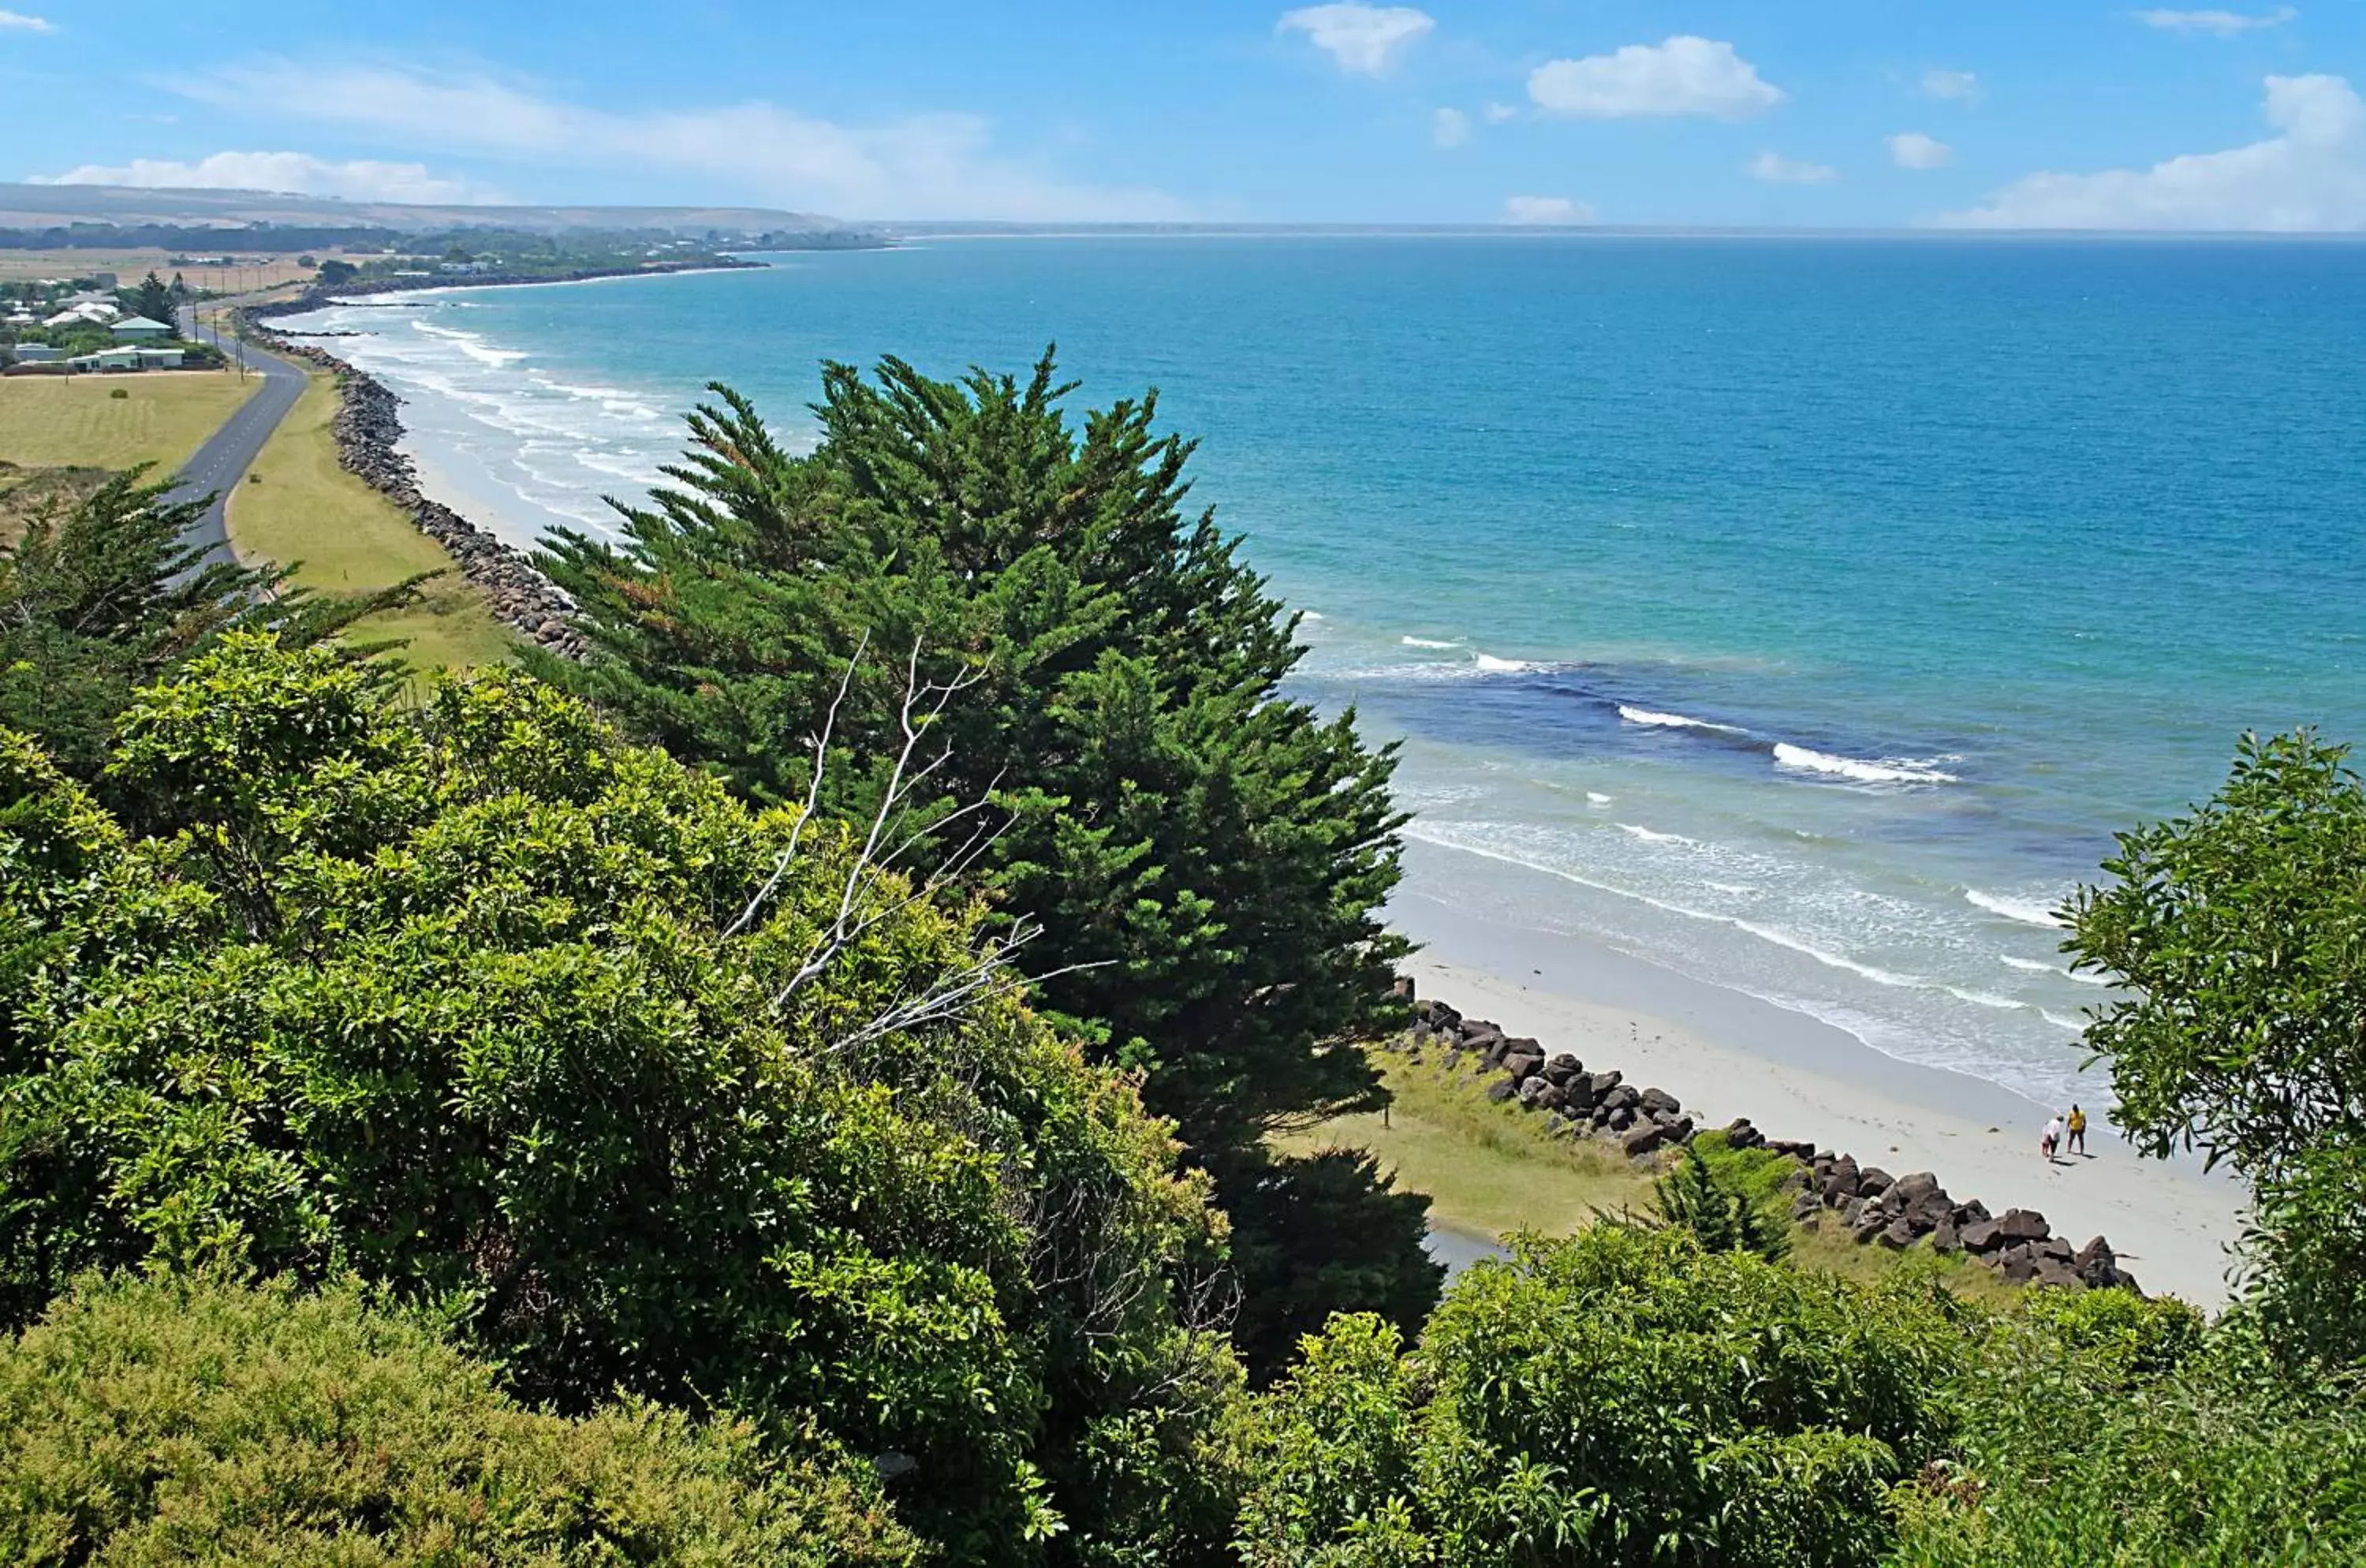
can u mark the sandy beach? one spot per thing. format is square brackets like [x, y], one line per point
[1726, 1054]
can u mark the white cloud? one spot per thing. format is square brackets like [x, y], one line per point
[1545, 209]
[1912, 149]
[938, 165]
[2226, 24]
[2312, 176]
[1496, 114]
[297, 174]
[1686, 75]
[1951, 87]
[1776, 169]
[18, 22]
[1449, 127]
[1364, 39]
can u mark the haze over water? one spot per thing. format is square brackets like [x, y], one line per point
[1814, 610]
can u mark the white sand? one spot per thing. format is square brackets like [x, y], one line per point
[2170, 1224]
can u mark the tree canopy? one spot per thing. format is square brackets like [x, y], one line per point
[444, 996]
[2238, 933]
[1207, 857]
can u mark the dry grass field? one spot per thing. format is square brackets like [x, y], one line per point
[54, 421]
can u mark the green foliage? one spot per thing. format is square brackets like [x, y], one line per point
[440, 995]
[1621, 1397]
[193, 1419]
[104, 595]
[153, 298]
[1312, 1231]
[2240, 933]
[1207, 858]
[2097, 1428]
[1730, 1199]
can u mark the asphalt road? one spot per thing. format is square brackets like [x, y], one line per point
[223, 460]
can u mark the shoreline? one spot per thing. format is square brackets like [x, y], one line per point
[1728, 1054]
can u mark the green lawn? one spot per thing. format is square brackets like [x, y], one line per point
[55, 422]
[1489, 1169]
[1492, 1168]
[298, 506]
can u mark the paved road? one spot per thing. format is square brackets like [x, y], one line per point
[223, 460]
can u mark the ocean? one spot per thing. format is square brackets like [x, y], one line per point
[1813, 610]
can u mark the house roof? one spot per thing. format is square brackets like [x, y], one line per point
[140, 323]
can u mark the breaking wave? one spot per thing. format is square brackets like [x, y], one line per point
[2027, 911]
[1886, 771]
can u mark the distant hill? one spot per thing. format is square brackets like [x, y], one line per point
[54, 206]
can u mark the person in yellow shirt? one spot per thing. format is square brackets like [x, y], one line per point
[2078, 1125]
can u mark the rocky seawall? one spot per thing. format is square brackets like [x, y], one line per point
[1874, 1208]
[367, 430]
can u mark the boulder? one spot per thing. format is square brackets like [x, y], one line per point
[1659, 1103]
[1873, 1181]
[2096, 1265]
[1944, 1239]
[1621, 1118]
[1561, 1068]
[1981, 1237]
[1898, 1235]
[1551, 1096]
[1530, 1089]
[1501, 1090]
[2023, 1224]
[1523, 1064]
[1853, 1213]
[1913, 1187]
[1843, 1176]
[1971, 1213]
[1602, 1083]
[1401, 987]
[1481, 1036]
[1804, 1206]
[2019, 1270]
[1646, 1137]
[2055, 1247]
[1741, 1135]
[2049, 1273]
[1624, 1097]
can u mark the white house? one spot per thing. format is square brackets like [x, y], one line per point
[39, 353]
[140, 329]
[125, 358]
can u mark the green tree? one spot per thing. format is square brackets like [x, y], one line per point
[1728, 1198]
[658, 1093]
[1207, 859]
[1623, 1397]
[2237, 935]
[197, 1420]
[153, 300]
[103, 596]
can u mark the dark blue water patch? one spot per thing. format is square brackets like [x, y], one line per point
[1560, 712]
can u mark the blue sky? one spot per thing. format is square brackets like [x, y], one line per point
[1849, 113]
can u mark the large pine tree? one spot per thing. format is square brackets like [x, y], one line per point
[1206, 857]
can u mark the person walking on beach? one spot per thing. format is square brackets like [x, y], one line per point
[2077, 1130]
[2052, 1139]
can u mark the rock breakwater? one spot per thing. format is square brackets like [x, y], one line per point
[1872, 1207]
[367, 430]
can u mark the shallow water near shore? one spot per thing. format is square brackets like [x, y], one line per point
[1806, 614]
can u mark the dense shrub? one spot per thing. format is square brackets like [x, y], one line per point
[442, 995]
[2097, 1428]
[192, 1419]
[1622, 1397]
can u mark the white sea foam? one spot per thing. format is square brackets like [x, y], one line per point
[1675, 721]
[1494, 666]
[1649, 836]
[1310, 615]
[2076, 1025]
[1426, 642]
[1889, 771]
[1595, 797]
[473, 344]
[2034, 965]
[1739, 889]
[2028, 911]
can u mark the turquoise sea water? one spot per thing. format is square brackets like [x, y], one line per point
[1814, 609]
